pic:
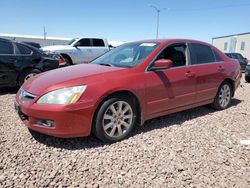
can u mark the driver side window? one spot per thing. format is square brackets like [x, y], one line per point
[84, 43]
[176, 53]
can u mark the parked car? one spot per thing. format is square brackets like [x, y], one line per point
[247, 73]
[80, 50]
[242, 60]
[19, 62]
[34, 44]
[127, 86]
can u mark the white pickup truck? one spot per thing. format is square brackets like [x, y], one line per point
[80, 50]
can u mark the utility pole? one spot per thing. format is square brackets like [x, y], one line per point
[158, 11]
[44, 33]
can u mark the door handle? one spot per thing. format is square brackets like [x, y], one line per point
[14, 60]
[220, 68]
[190, 74]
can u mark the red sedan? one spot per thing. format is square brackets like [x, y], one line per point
[127, 86]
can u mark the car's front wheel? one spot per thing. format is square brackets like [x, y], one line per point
[115, 119]
[223, 96]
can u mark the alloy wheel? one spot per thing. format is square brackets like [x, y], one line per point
[224, 96]
[117, 119]
[29, 76]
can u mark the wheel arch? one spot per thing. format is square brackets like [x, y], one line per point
[68, 57]
[25, 70]
[129, 93]
[232, 83]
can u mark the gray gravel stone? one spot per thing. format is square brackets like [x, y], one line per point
[195, 148]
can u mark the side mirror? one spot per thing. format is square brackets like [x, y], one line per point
[162, 64]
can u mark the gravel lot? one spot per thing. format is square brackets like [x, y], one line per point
[196, 148]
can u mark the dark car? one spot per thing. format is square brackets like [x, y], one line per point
[34, 44]
[242, 60]
[247, 73]
[19, 62]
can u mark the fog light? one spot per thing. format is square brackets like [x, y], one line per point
[46, 123]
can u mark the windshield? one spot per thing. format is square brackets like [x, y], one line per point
[70, 41]
[127, 55]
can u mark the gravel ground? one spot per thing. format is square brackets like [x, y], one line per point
[195, 148]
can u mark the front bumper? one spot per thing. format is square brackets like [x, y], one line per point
[70, 121]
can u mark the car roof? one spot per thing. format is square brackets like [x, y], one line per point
[175, 41]
[2, 39]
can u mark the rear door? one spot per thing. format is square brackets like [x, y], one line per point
[174, 87]
[8, 64]
[209, 69]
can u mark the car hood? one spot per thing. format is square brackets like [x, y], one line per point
[65, 77]
[56, 47]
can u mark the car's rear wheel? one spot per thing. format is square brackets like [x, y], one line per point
[223, 96]
[27, 75]
[115, 119]
[247, 78]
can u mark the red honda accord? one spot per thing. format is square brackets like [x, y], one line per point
[127, 86]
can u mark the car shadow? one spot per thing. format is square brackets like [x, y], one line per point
[156, 123]
[8, 90]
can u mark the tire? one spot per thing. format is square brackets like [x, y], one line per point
[223, 96]
[27, 74]
[115, 119]
[247, 78]
[67, 60]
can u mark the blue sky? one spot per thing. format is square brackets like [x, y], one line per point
[125, 20]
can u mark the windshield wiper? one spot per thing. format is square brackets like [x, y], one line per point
[106, 64]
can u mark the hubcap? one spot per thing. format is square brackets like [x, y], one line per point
[224, 96]
[29, 76]
[117, 119]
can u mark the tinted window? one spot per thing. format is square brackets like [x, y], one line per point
[84, 42]
[6, 47]
[201, 54]
[239, 56]
[217, 56]
[98, 42]
[23, 50]
[176, 53]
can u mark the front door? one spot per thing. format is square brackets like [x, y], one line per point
[174, 87]
[84, 51]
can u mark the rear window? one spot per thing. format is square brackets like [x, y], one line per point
[23, 50]
[6, 48]
[98, 43]
[201, 54]
[217, 56]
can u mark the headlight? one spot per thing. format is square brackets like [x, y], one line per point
[67, 95]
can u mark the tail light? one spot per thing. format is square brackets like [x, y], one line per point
[62, 61]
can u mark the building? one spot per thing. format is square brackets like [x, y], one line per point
[45, 41]
[239, 43]
[38, 39]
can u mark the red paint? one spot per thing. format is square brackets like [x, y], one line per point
[159, 92]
